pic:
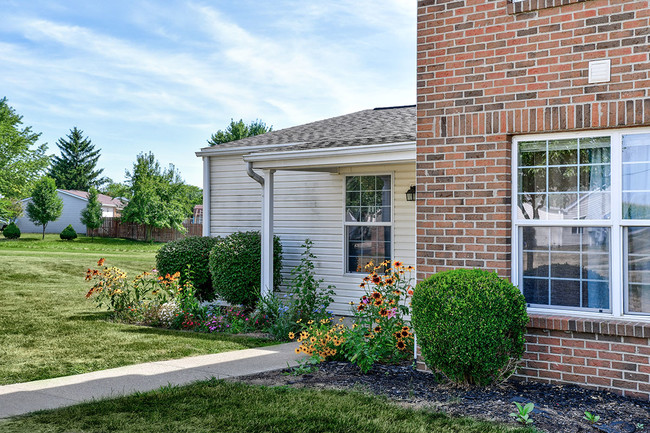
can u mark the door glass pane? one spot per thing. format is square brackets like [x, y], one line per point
[566, 266]
[638, 269]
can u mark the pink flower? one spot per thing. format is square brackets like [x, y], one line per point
[391, 313]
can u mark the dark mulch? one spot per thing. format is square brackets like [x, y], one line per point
[558, 408]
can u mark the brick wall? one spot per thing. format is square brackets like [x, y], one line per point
[596, 354]
[491, 69]
[612, 355]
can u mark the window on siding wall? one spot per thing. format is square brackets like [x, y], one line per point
[368, 221]
[582, 221]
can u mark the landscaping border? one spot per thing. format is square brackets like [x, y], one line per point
[602, 354]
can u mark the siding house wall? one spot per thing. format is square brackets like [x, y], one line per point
[308, 205]
[71, 214]
[490, 70]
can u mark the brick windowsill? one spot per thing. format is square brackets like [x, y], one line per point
[516, 7]
[624, 328]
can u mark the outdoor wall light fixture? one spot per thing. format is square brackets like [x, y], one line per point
[410, 194]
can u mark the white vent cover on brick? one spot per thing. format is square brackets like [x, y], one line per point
[600, 71]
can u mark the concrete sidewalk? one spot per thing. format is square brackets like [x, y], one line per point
[22, 398]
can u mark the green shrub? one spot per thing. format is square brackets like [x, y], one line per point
[194, 252]
[11, 231]
[470, 325]
[236, 267]
[68, 233]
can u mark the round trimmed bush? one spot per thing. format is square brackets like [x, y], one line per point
[11, 231]
[194, 252]
[236, 267]
[68, 233]
[470, 325]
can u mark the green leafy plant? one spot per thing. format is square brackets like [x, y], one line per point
[304, 301]
[523, 413]
[379, 333]
[592, 418]
[236, 266]
[190, 257]
[125, 297]
[11, 231]
[68, 233]
[470, 325]
[320, 340]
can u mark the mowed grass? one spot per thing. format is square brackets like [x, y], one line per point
[217, 406]
[48, 328]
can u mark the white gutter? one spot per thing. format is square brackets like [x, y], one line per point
[217, 150]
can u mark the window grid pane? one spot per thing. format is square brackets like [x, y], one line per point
[636, 176]
[638, 269]
[567, 179]
[368, 232]
[566, 266]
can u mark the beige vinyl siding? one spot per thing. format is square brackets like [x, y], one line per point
[309, 205]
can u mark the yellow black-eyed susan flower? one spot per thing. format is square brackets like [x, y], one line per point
[401, 345]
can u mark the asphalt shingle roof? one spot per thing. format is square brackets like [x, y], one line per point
[375, 126]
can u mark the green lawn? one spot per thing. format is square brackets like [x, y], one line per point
[217, 406]
[48, 328]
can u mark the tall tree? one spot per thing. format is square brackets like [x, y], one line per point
[45, 204]
[116, 189]
[22, 160]
[91, 216]
[158, 196]
[239, 130]
[76, 167]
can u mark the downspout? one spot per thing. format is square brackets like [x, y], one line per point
[266, 283]
[256, 177]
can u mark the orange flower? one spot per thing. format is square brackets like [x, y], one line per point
[361, 307]
[366, 278]
[405, 333]
[378, 302]
[383, 312]
[101, 262]
[397, 264]
[401, 345]
[410, 292]
[390, 281]
[377, 329]
[362, 285]
[410, 268]
[376, 295]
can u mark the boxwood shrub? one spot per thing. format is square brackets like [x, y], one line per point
[11, 231]
[470, 325]
[236, 267]
[194, 252]
[68, 233]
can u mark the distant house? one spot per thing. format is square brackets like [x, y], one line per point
[73, 203]
[197, 214]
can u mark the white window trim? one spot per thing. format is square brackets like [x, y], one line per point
[346, 223]
[616, 224]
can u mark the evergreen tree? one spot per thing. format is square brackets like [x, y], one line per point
[239, 130]
[91, 216]
[75, 168]
[22, 161]
[45, 204]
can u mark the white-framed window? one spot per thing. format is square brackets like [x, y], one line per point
[368, 221]
[581, 221]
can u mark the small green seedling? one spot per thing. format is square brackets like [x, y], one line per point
[592, 418]
[522, 414]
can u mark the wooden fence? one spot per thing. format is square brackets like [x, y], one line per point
[114, 228]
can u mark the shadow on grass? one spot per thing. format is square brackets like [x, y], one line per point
[19, 240]
[191, 335]
[90, 317]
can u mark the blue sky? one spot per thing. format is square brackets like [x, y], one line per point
[139, 75]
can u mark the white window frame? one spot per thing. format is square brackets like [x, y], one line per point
[346, 223]
[616, 224]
